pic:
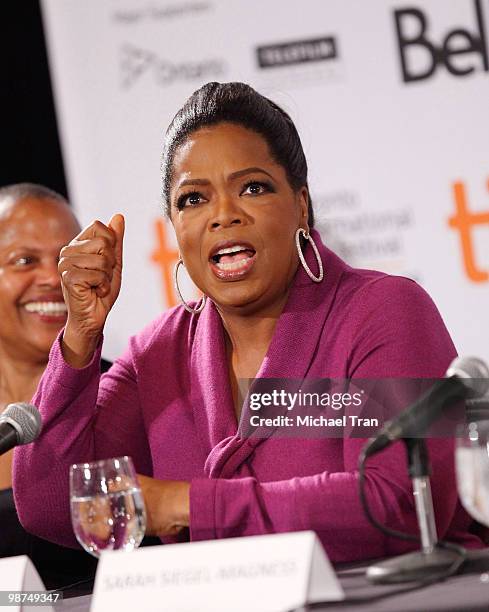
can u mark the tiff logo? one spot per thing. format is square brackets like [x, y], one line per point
[165, 257]
[462, 51]
[464, 222]
[297, 52]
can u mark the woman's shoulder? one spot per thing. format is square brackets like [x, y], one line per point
[365, 291]
[372, 299]
[394, 325]
[372, 288]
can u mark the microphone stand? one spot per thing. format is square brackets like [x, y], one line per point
[431, 560]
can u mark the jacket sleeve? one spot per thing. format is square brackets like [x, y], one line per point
[396, 332]
[84, 416]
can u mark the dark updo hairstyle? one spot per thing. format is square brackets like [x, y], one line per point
[240, 104]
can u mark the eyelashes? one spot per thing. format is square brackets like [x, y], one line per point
[194, 198]
[265, 186]
[184, 197]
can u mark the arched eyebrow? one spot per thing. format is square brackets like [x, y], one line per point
[231, 177]
[196, 181]
[238, 173]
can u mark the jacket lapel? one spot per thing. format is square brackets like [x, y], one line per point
[212, 402]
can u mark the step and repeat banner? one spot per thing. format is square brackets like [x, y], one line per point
[390, 99]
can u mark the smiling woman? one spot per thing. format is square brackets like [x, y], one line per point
[35, 223]
[277, 304]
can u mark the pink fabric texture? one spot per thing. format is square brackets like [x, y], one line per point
[167, 403]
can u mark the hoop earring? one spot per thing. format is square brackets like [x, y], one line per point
[307, 236]
[177, 289]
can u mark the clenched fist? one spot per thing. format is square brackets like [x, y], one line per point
[91, 270]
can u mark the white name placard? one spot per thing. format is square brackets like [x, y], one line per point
[21, 586]
[260, 573]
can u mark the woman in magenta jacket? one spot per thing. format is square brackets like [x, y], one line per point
[235, 188]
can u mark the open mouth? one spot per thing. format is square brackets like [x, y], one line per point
[47, 310]
[233, 261]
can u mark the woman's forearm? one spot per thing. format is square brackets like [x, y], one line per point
[79, 414]
[327, 503]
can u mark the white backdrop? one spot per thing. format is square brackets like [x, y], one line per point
[391, 153]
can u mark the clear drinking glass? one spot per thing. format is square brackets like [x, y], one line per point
[472, 468]
[107, 506]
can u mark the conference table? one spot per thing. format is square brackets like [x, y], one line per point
[465, 592]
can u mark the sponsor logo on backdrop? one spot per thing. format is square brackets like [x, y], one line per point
[136, 61]
[299, 62]
[464, 221]
[363, 237]
[153, 12]
[297, 52]
[462, 51]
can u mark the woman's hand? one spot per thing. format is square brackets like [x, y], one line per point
[91, 271]
[167, 505]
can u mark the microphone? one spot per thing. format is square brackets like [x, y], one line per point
[466, 377]
[20, 423]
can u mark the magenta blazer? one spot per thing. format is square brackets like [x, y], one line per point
[167, 403]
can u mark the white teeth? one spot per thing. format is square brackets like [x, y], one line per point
[235, 265]
[54, 308]
[234, 249]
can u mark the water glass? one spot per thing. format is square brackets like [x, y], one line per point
[107, 506]
[472, 469]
